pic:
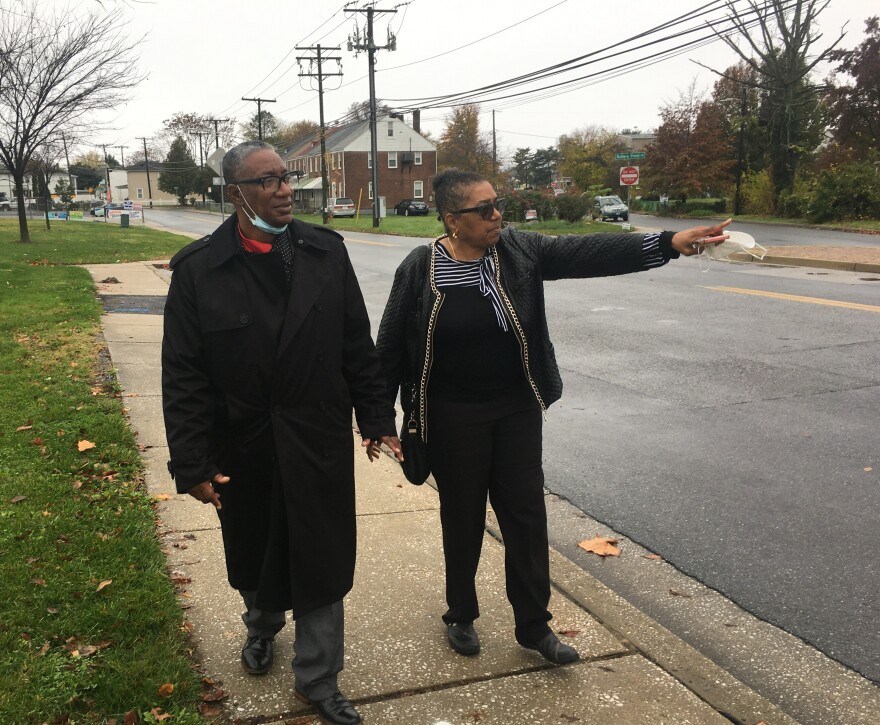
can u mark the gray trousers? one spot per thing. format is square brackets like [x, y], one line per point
[318, 643]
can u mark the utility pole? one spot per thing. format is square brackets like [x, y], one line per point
[147, 165]
[260, 102]
[201, 156]
[320, 75]
[494, 152]
[739, 159]
[367, 43]
[217, 122]
[122, 155]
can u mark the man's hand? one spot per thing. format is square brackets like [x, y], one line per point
[374, 447]
[205, 492]
[689, 241]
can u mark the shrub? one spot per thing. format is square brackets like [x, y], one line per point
[756, 191]
[572, 207]
[847, 191]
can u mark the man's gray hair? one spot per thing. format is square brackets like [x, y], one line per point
[235, 158]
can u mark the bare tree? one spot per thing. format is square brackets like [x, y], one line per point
[56, 71]
[44, 162]
[780, 48]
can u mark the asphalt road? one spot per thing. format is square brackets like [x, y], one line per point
[724, 418]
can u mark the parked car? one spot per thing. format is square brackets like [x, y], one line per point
[411, 207]
[531, 215]
[7, 205]
[609, 207]
[342, 206]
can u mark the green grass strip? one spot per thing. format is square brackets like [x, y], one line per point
[72, 645]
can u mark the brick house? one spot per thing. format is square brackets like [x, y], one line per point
[407, 163]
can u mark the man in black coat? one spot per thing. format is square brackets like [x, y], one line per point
[266, 350]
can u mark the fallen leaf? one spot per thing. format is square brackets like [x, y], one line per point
[679, 594]
[84, 445]
[868, 469]
[37, 441]
[730, 624]
[157, 713]
[23, 427]
[162, 497]
[166, 690]
[654, 557]
[207, 709]
[87, 650]
[209, 681]
[17, 499]
[213, 695]
[39, 582]
[601, 546]
[52, 610]
[132, 718]
[569, 632]
[105, 583]
[43, 649]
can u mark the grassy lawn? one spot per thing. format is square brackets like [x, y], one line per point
[91, 628]
[428, 226]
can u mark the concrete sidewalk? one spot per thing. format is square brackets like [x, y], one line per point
[399, 668]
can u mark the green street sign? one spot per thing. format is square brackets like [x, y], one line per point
[630, 155]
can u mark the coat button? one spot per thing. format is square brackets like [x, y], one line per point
[243, 319]
[318, 306]
[276, 409]
[300, 242]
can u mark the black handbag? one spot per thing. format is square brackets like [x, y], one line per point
[415, 464]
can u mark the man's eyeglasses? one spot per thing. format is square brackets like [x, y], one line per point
[272, 183]
[487, 210]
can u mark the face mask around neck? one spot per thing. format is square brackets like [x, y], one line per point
[258, 221]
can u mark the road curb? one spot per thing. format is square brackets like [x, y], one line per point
[783, 261]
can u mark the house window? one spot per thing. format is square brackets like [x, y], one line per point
[140, 193]
[417, 158]
[390, 129]
[392, 159]
[369, 159]
[370, 190]
[418, 189]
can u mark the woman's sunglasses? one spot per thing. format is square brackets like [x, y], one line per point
[487, 210]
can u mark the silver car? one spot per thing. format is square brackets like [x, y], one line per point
[609, 207]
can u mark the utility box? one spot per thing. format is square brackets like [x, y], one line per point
[123, 220]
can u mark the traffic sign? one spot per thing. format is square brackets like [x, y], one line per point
[630, 155]
[629, 175]
[215, 160]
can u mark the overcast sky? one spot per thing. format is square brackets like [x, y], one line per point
[204, 55]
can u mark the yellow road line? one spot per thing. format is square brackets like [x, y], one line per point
[375, 244]
[798, 298]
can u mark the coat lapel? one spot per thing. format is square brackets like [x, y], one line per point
[310, 276]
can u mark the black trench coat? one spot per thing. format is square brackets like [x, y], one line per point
[263, 391]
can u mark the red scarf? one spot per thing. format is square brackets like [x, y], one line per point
[252, 245]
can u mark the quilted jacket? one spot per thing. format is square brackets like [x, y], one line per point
[524, 261]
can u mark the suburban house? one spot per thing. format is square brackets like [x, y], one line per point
[141, 192]
[406, 164]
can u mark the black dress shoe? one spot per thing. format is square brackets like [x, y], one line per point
[335, 710]
[463, 638]
[554, 650]
[257, 655]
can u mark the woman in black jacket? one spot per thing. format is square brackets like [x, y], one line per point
[464, 337]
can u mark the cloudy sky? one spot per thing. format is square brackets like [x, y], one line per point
[204, 55]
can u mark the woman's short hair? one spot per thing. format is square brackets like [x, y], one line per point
[451, 189]
[235, 158]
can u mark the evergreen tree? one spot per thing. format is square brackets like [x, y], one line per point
[180, 174]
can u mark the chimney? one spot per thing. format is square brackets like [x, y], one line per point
[417, 121]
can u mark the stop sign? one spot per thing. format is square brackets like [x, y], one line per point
[629, 175]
